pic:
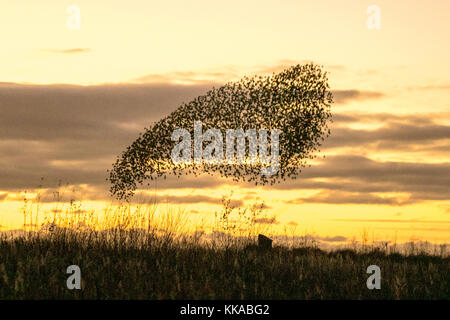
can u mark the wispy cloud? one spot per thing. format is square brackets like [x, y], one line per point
[431, 87]
[338, 197]
[69, 51]
[223, 74]
[344, 96]
[391, 221]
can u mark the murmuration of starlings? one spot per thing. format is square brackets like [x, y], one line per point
[296, 102]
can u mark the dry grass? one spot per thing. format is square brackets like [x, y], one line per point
[139, 253]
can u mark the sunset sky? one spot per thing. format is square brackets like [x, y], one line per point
[72, 100]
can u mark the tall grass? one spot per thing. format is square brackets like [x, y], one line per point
[139, 252]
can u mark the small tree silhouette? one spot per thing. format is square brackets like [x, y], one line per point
[296, 101]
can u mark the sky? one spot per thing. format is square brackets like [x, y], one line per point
[71, 100]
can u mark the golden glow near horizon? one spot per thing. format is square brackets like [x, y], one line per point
[405, 62]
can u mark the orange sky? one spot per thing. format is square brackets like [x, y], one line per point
[387, 165]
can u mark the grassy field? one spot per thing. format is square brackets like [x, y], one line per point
[35, 268]
[133, 256]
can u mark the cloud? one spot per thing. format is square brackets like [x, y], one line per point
[186, 77]
[338, 197]
[265, 221]
[431, 87]
[286, 63]
[69, 51]
[355, 179]
[393, 135]
[224, 74]
[384, 117]
[100, 193]
[394, 220]
[56, 112]
[344, 96]
[74, 133]
[189, 181]
[333, 239]
[187, 199]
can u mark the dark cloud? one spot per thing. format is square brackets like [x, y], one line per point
[74, 133]
[391, 136]
[190, 181]
[188, 199]
[265, 221]
[350, 198]
[360, 198]
[384, 117]
[234, 203]
[354, 179]
[333, 239]
[71, 193]
[344, 96]
[107, 112]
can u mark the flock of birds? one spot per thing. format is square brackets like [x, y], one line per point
[295, 101]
